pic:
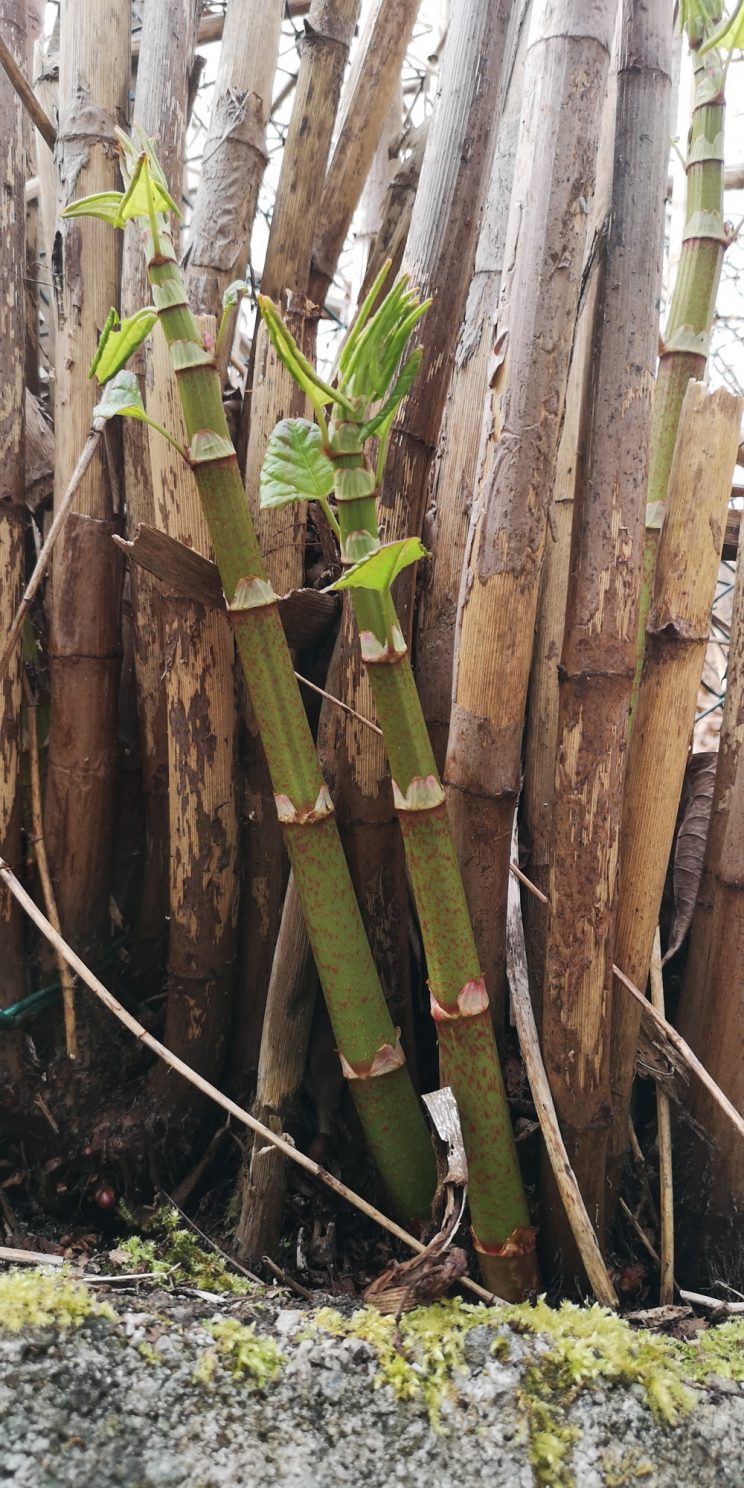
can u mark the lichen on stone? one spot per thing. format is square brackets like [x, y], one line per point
[45, 1298]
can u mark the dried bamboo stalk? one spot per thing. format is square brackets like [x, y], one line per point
[565, 78]
[677, 635]
[22, 87]
[373, 80]
[397, 211]
[234, 154]
[168, 38]
[565, 1178]
[36, 838]
[711, 1011]
[290, 1004]
[200, 715]
[454, 473]
[598, 652]
[666, 1181]
[12, 488]
[84, 631]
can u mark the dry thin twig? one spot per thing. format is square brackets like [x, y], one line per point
[42, 562]
[114, 1006]
[713, 1304]
[568, 1188]
[45, 877]
[664, 1124]
[641, 1233]
[684, 1051]
[29, 1257]
[27, 96]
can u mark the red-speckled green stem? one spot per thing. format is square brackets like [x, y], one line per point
[686, 343]
[368, 1043]
[470, 1064]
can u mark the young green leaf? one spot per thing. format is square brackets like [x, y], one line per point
[119, 341]
[235, 292]
[729, 36]
[295, 467]
[122, 399]
[103, 204]
[401, 387]
[144, 192]
[380, 569]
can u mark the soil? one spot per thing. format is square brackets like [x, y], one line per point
[132, 1402]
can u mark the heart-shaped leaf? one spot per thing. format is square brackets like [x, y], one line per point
[121, 398]
[119, 341]
[295, 467]
[145, 193]
[379, 570]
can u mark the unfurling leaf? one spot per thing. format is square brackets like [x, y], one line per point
[379, 570]
[103, 204]
[122, 398]
[117, 342]
[689, 850]
[235, 292]
[145, 193]
[295, 467]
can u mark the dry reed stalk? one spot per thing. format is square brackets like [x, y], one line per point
[677, 635]
[599, 642]
[12, 487]
[454, 474]
[365, 102]
[529, 1043]
[19, 82]
[235, 156]
[290, 1005]
[168, 39]
[565, 77]
[36, 837]
[200, 717]
[666, 1180]
[84, 632]
[711, 1012]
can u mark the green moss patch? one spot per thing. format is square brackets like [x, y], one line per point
[171, 1251]
[44, 1299]
[246, 1354]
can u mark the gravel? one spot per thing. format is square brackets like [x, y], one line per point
[117, 1404]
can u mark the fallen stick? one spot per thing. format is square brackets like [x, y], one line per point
[29, 1257]
[685, 1052]
[664, 1127]
[568, 1188]
[713, 1304]
[114, 1006]
[42, 562]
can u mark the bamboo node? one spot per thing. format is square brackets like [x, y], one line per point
[520, 1242]
[303, 816]
[206, 446]
[389, 1057]
[379, 653]
[188, 354]
[472, 1000]
[425, 793]
[251, 593]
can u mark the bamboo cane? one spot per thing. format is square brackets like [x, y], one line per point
[374, 77]
[459, 1001]
[12, 483]
[373, 1059]
[711, 1010]
[84, 630]
[598, 652]
[168, 38]
[281, 534]
[686, 341]
[677, 635]
[565, 79]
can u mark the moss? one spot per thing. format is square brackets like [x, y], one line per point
[149, 1354]
[717, 1351]
[576, 1349]
[239, 1348]
[173, 1252]
[43, 1299]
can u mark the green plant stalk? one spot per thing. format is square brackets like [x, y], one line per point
[470, 1064]
[686, 342]
[392, 1120]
